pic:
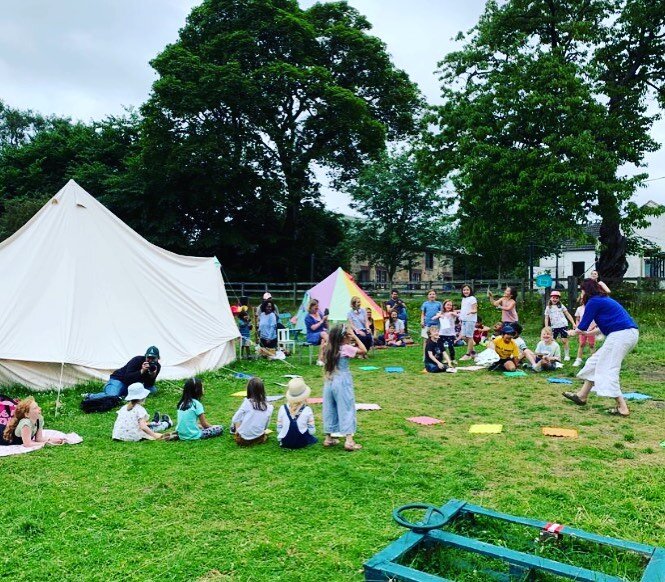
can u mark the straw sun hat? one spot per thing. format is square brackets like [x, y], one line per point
[297, 390]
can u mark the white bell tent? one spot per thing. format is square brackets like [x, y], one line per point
[82, 293]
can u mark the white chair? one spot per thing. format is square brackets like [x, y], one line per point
[285, 342]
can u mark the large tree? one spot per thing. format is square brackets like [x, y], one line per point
[542, 108]
[253, 96]
[400, 216]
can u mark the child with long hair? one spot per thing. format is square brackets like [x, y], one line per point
[339, 403]
[26, 427]
[447, 328]
[468, 315]
[295, 420]
[506, 303]
[192, 422]
[131, 424]
[252, 418]
[555, 317]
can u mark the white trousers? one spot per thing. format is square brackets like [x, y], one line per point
[603, 367]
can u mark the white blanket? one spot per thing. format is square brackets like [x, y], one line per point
[70, 439]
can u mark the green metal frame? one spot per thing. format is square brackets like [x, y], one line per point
[384, 566]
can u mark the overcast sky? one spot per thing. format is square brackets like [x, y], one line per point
[89, 58]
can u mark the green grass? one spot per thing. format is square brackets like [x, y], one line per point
[211, 511]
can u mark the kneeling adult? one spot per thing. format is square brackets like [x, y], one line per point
[143, 369]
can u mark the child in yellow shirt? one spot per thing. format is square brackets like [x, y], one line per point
[507, 350]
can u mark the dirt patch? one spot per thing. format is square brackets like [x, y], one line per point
[654, 375]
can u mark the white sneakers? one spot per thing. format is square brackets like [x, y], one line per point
[567, 358]
[578, 362]
[320, 363]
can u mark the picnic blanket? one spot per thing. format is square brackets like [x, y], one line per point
[70, 439]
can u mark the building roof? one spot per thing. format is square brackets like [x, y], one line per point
[591, 234]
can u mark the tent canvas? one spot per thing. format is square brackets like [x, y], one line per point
[83, 293]
[334, 293]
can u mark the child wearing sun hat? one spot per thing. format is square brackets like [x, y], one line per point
[295, 420]
[132, 421]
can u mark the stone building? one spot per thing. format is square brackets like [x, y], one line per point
[430, 270]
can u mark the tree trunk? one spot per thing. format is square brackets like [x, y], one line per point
[612, 264]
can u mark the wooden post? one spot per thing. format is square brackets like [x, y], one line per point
[572, 293]
[295, 293]
[523, 291]
[546, 297]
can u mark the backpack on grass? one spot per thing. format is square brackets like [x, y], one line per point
[103, 404]
[7, 409]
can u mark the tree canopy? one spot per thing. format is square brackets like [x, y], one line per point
[542, 107]
[251, 96]
[401, 217]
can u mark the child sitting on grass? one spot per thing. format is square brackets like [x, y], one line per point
[548, 352]
[435, 352]
[131, 423]
[480, 332]
[26, 427]
[252, 418]
[507, 350]
[295, 420]
[192, 423]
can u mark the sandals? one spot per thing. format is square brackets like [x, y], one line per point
[574, 398]
[616, 412]
[330, 443]
[353, 447]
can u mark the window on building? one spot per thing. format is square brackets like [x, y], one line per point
[429, 260]
[363, 275]
[654, 267]
[415, 276]
[381, 275]
[578, 268]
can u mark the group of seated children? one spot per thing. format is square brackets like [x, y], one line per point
[295, 421]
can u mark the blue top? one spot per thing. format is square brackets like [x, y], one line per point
[244, 328]
[358, 318]
[268, 326]
[314, 335]
[430, 309]
[188, 426]
[607, 313]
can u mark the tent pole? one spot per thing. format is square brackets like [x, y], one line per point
[57, 402]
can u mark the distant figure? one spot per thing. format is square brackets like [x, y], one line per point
[398, 305]
[358, 321]
[556, 315]
[143, 369]
[267, 327]
[468, 315]
[316, 324]
[506, 304]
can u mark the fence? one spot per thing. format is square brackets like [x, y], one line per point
[633, 288]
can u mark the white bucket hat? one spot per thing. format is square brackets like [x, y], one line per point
[297, 390]
[137, 391]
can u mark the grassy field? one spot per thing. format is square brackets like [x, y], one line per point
[210, 511]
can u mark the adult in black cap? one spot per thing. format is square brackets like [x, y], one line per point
[143, 369]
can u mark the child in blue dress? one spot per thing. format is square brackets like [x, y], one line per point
[339, 403]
